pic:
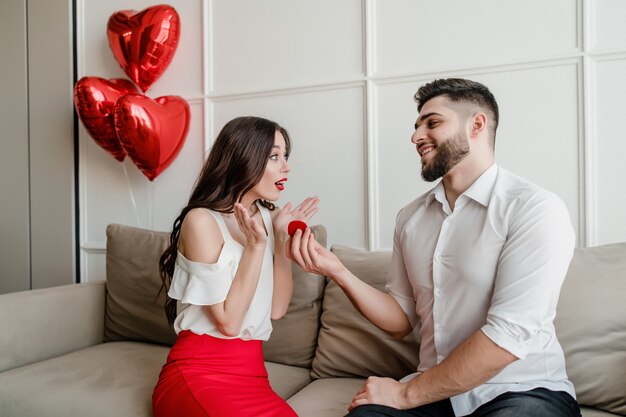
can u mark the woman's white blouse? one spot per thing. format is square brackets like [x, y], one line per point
[196, 285]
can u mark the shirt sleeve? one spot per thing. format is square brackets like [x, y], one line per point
[202, 284]
[398, 284]
[531, 269]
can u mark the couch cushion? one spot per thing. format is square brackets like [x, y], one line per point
[591, 326]
[133, 310]
[348, 344]
[286, 380]
[294, 337]
[594, 412]
[103, 380]
[337, 393]
[48, 322]
[328, 397]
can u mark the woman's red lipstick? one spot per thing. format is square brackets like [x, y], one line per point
[280, 185]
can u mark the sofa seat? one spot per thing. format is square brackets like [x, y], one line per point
[594, 412]
[117, 376]
[338, 392]
[286, 380]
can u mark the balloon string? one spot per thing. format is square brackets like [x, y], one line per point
[132, 196]
[150, 203]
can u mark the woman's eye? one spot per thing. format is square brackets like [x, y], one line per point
[274, 157]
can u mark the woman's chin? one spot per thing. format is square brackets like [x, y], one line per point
[271, 198]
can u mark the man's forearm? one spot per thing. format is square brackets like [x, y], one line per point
[377, 306]
[473, 363]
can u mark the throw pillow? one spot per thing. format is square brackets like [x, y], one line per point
[133, 311]
[294, 337]
[349, 345]
[591, 326]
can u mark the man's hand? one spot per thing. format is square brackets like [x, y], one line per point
[383, 391]
[303, 249]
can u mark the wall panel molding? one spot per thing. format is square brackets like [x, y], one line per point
[346, 80]
[604, 24]
[605, 147]
[300, 89]
[587, 147]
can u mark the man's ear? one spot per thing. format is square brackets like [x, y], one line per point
[478, 124]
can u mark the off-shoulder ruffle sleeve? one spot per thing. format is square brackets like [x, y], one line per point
[199, 283]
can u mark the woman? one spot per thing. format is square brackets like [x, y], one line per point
[227, 271]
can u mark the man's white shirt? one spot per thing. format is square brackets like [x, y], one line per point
[496, 263]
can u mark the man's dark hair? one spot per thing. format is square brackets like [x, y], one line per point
[461, 90]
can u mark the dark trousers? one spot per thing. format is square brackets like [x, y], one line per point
[539, 402]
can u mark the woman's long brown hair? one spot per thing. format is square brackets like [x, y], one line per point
[236, 163]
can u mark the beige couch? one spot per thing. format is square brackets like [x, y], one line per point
[96, 350]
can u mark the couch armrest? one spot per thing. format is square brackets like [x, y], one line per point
[41, 324]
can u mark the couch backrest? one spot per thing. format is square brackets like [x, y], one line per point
[134, 312]
[41, 324]
[294, 337]
[590, 321]
[349, 345]
[591, 326]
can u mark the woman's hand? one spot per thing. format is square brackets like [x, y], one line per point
[254, 233]
[303, 211]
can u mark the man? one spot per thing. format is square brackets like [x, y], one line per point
[477, 264]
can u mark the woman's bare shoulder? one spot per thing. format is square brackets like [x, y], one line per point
[201, 239]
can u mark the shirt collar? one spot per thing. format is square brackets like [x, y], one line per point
[480, 190]
[436, 193]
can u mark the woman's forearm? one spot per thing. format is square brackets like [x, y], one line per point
[283, 281]
[229, 314]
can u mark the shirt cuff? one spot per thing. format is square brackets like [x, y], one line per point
[515, 344]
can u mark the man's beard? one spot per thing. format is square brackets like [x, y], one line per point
[449, 153]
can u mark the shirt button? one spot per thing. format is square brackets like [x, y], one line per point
[439, 358]
[438, 292]
[437, 258]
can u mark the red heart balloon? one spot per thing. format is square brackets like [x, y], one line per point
[144, 43]
[152, 132]
[94, 99]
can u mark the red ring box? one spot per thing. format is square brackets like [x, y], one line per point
[295, 225]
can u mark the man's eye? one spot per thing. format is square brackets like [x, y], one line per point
[432, 124]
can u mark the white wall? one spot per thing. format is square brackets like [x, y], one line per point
[340, 76]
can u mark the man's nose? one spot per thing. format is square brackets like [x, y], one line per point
[417, 136]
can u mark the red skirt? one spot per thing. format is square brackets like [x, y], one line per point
[211, 377]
